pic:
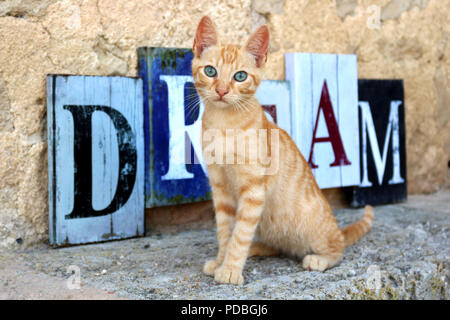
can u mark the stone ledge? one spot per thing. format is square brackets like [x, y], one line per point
[407, 253]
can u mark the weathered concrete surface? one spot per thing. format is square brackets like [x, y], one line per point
[405, 39]
[18, 281]
[407, 254]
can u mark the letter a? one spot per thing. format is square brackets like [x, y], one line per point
[340, 158]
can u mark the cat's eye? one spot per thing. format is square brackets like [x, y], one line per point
[210, 71]
[240, 76]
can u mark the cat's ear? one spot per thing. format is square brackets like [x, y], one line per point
[258, 45]
[205, 37]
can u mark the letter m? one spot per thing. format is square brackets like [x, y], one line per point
[368, 130]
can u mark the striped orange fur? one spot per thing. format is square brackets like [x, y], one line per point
[285, 209]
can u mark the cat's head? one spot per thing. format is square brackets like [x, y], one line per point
[227, 75]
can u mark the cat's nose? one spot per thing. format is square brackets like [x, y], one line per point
[221, 92]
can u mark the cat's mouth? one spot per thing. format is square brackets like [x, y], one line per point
[221, 100]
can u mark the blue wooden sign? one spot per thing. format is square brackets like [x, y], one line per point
[95, 158]
[175, 172]
[324, 95]
[383, 146]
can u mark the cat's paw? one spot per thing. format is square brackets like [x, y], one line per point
[210, 267]
[315, 262]
[228, 275]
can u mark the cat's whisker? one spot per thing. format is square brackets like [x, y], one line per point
[236, 106]
[243, 104]
[193, 93]
[192, 107]
[240, 107]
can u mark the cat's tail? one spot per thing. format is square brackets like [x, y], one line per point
[357, 230]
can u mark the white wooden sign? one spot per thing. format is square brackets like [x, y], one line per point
[96, 158]
[324, 101]
[274, 96]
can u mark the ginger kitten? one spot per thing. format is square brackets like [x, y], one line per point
[284, 208]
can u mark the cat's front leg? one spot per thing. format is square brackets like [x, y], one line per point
[224, 222]
[250, 207]
[225, 211]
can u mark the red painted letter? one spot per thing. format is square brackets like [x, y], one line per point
[340, 158]
[272, 110]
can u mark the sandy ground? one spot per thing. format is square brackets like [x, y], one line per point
[405, 256]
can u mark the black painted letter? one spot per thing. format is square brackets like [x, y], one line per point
[82, 121]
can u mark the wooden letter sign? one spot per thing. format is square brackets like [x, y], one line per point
[382, 138]
[95, 158]
[324, 114]
[274, 97]
[175, 170]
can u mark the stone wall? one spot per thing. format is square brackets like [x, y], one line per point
[100, 37]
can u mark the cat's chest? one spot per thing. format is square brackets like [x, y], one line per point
[215, 119]
[218, 124]
[225, 147]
